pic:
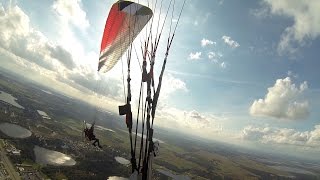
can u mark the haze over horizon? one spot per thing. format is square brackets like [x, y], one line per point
[240, 72]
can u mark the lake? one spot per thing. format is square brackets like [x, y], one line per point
[122, 160]
[116, 178]
[48, 92]
[103, 128]
[14, 130]
[45, 156]
[292, 170]
[43, 114]
[8, 98]
[173, 176]
[154, 139]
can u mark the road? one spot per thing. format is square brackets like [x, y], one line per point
[8, 165]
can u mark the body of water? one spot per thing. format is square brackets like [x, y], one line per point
[43, 114]
[117, 178]
[122, 160]
[103, 128]
[173, 176]
[46, 156]
[292, 170]
[48, 92]
[8, 98]
[154, 139]
[14, 130]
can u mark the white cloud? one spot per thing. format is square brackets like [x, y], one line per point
[193, 122]
[271, 135]
[254, 133]
[20, 38]
[206, 42]
[31, 54]
[215, 57]
[230, 42]
[282, 101]
[56, 81]
[195, 56]
[314, 137]
[306, 18]
[171, 84]
[223, 65]
[71, 12]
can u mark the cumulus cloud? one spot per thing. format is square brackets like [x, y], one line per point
[193, 122]
[306, 18]
[71, 12]
[283, 101]
[254, 133]
[271, 135]
[19, 37]
[54, 80]
[206, 42]
[196, 120]
[215, 57]
[31, 54]
[230, 42]
[195, 56]
[69, 16]
[59, 53]
[91, 82]
[171, 84]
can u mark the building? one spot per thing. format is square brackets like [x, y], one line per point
[16, 152]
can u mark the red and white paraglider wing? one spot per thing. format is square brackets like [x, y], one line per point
[125, 21]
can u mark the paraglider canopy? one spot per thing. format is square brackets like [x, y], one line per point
[125, 21]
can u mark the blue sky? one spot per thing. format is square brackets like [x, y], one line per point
[240, 71]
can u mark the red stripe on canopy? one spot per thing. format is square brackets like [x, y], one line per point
[113, 26]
